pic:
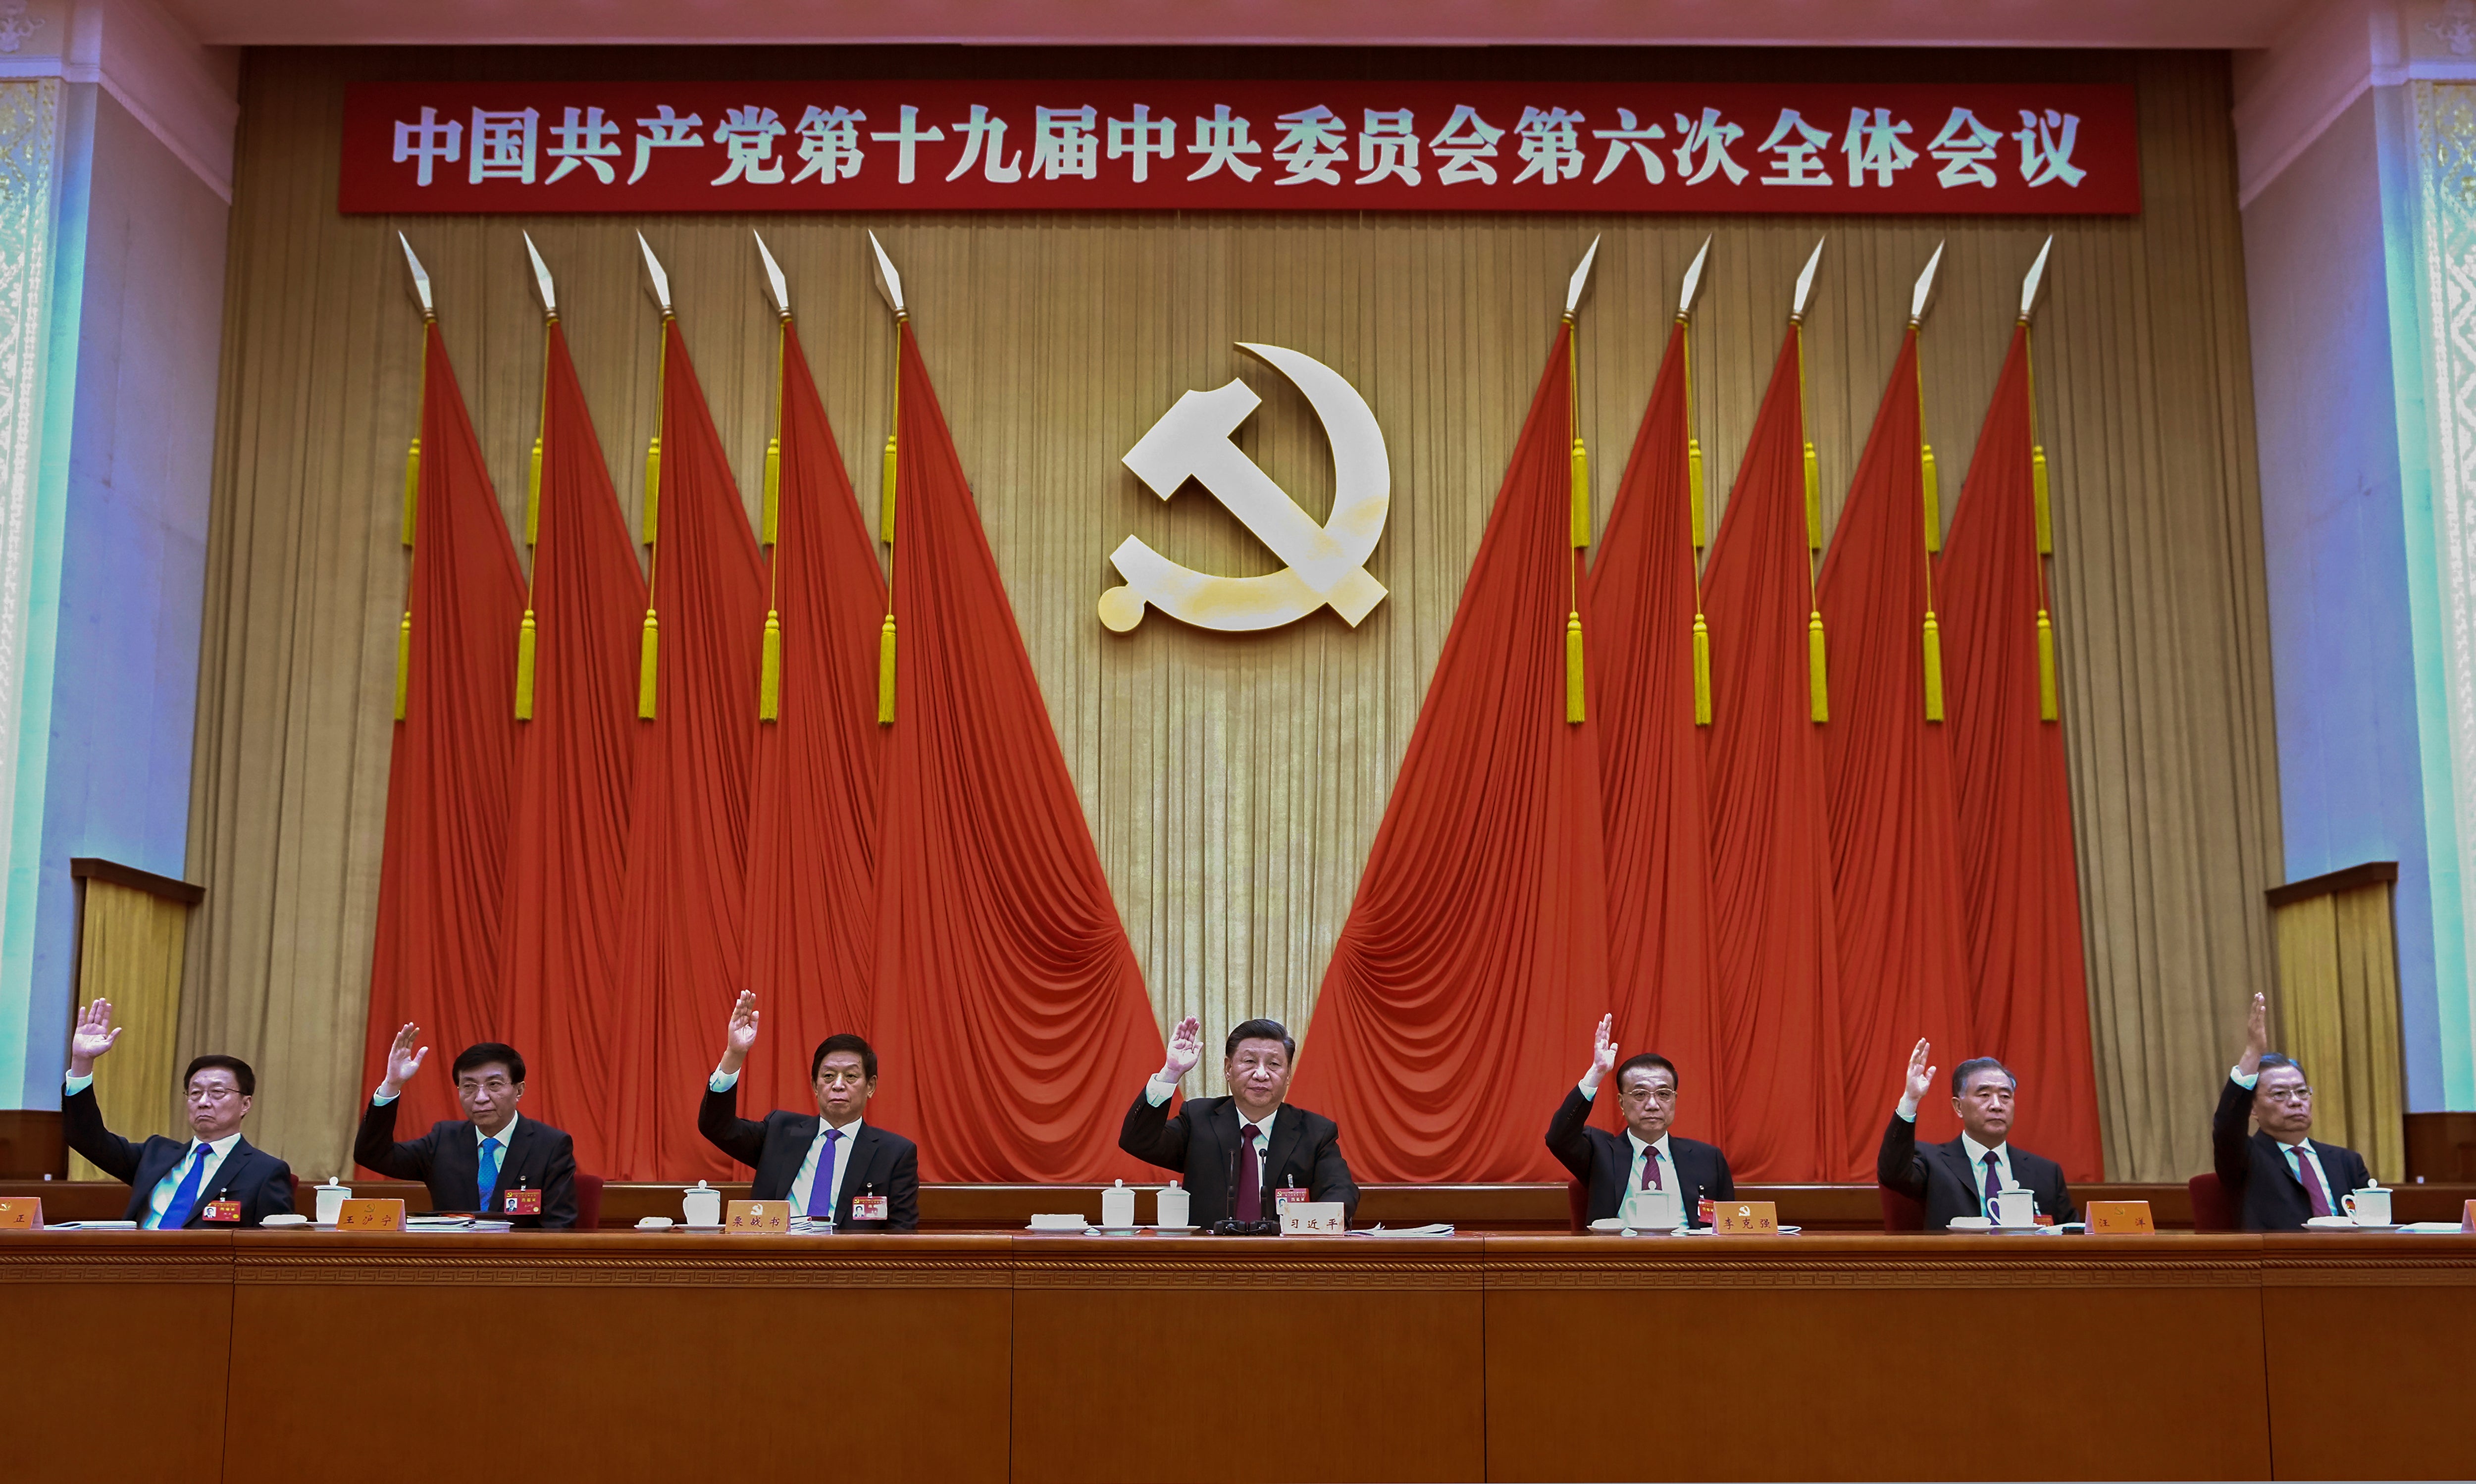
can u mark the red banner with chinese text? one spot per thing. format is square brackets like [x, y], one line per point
[2007, 148]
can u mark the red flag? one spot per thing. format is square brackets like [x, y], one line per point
[567, 845]
[1011, 1021]
[1895, 857]
[1460, 1000]
[443, 871]
[812, 820]
[2019, 882]
[682, 953]
[1777, 985]
[1643, 605]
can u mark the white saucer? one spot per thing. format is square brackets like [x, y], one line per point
[1113, 1231]
[1171, 1231]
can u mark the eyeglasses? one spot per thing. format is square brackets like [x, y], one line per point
[2290, 1097]
[1649, 1094]
[212, 1093]
[836, 1077]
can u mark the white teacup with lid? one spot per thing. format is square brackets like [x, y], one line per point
[1118, 1206]
[2367, 1207]
[1172, 1209]
[331, 1200]
[702, 1205]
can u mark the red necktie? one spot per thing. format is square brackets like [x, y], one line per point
[2312, 1185]
[1650, 1168]
[1251, 1194]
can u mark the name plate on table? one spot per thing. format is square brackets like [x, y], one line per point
[21, 1215]
[1314, 1219]
[1746, 1218]
[2466, 1216]
[370, 1215]
[757, 1219]
[2120, 1219]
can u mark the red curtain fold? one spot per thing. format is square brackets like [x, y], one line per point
[1460, 1000]
[1777, 983]
[1642, 591]
[812, 815]
[1010, 1017]
[2020, 885]
[1895, 852]
[683, 955]
[576, 759]
[443, 872]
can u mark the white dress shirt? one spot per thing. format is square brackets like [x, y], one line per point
[805, 1181]
[1977, 1153]
[1157, 1092]
[1667, 1166]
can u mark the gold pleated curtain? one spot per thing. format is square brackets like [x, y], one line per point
[2339, 1014]
[130, 952]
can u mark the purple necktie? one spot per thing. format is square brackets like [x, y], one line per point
[1650, 1168]
[1993, 1182]
[2312, 1185]
[1250, 1193]
[821, 1189]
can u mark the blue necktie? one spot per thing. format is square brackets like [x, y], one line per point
[185, 1198]
[490, 1170]
[821, 1189]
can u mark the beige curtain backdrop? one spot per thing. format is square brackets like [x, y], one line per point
[2338, 1017]
[131, 954]
[1234, 784]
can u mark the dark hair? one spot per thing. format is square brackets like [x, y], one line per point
[2269, 1059]
[484, 1053]
[238, 1068]
[1259, 1030]
[844, 1041]
[1961, 1073]
[1644, 1061]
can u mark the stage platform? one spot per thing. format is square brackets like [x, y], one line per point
[301, 1354]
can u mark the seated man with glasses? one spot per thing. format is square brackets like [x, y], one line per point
[1647, 1158]
[215, 1178]
[492, 1160]
[2279, 1176]
[829, 1163]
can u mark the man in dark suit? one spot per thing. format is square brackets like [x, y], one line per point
[2281, 1175]
[1959, 1178]
[1237, 1152]
[486, 1161]
[1646, 1157]
[830, 1162]
[215, 1178]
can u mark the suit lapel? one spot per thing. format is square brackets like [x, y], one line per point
[1224, 1123]
[458, 1160]
[1955, 1162]
[862, 1161]
[1288, 1125]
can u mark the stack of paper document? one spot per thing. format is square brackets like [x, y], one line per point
[454, 1224]
[1431, 1230]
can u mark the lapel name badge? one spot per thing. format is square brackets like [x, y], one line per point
[520, 1202]
[226, 1212]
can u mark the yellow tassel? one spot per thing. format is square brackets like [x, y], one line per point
[533, 497]
[772, 488]
[647, 653]
[403, 662]
[769, 684]
[1701, 672]
[2038, 483]
[1694, 487]
[1581, 495]
[2046, 707]
[411, 488]
[1813, 499]
[1574, 711]
[1933, 668]
[885, 497]
[525, 669]
[652, 487]
[886, 672]
[1816, 680]
[1934, 499]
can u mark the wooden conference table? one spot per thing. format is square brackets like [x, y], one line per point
[301, 1354]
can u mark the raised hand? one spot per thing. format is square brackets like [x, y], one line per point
[1185, 1050]
[1603, 1053]
[2256, 1035]
[404, 1059]
[1920, 1079]
[741, 1035]
[93, 1037]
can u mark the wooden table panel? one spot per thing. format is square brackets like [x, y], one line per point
[632, 1357]
[117, 1344]
[1367, 1353]
[2369, 1374]
[1866, 1358]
